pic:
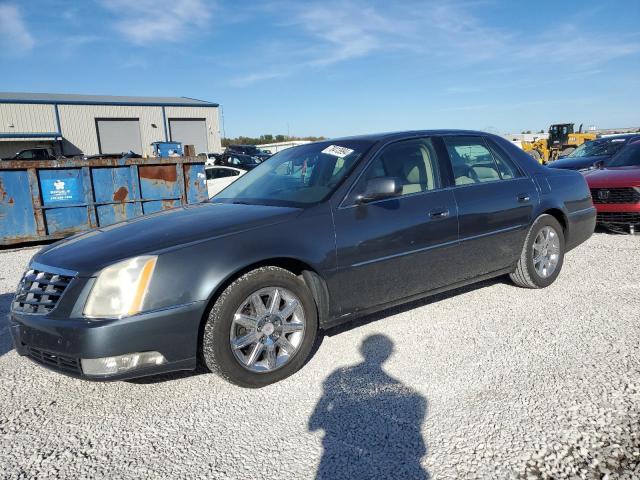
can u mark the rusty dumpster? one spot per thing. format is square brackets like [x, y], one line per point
[49, 199]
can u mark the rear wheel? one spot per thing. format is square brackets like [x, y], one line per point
[261, 329]
[542, 254]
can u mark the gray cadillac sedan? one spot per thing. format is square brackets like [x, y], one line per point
[315, 236]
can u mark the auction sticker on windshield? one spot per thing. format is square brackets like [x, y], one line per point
[337, 151]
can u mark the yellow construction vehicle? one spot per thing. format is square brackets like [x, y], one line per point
[561, 142]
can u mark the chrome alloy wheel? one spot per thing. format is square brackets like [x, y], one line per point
[267, 329]
[546, 252]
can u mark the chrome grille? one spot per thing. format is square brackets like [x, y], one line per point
[615, 195]
[624, 218]
[39, 292]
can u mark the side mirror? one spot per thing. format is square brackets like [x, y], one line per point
[380, 188]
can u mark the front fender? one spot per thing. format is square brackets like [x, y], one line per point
[196, 272]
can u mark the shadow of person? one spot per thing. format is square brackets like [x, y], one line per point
[371, 421]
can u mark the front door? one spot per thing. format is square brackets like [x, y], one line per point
[397, 247]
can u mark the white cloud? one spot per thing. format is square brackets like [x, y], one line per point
[448, 33]
[148, 21]
[250, 79]
[15, 37]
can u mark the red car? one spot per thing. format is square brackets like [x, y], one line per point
[615, 188]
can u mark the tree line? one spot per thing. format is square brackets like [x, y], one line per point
[263, 139]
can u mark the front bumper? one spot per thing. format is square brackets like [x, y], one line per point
[618, 213]
[59, 344]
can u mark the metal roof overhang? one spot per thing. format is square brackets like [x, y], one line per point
[21, 136]
[124, 103]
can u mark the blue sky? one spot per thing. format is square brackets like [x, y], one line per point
[340, 68]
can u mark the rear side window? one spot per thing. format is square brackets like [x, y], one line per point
[213, 173]
[473, 161]
[506, 166]
[27, 155]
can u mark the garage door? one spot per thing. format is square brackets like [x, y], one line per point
[190, 132]
[119, 135]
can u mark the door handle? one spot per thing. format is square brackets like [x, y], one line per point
[438, 213]
[523, 197]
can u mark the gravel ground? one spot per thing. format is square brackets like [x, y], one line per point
[493, 381]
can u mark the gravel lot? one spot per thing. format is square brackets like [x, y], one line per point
[493, 381]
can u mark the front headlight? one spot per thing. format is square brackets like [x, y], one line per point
[120, 289]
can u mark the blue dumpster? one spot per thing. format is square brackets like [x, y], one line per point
[167, 149]
[42, 200]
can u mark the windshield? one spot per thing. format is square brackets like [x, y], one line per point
[298, 176]
[627, 157]
[598, 147]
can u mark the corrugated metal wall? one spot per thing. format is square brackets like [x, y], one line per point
[78, 124]
[27, 118]
[208, 113]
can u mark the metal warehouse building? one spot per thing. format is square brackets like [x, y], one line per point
[97, 124]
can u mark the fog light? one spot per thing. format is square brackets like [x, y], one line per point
[121, 363]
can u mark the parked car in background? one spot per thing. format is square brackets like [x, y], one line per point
[218, 178]
[237, 160]
[315, 236]
[210, 158]
[615, 188]
[121, 156]
[590, 153]
[34, 154]
[250, 150]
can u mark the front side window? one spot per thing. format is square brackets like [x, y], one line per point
[297, 177]
[471, 160]
[412, 163]
[627, 157]
[27, 155]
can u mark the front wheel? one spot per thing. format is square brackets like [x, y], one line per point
[542, 254]
[261, 329]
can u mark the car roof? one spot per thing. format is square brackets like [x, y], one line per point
[408, 133]
[621, 135]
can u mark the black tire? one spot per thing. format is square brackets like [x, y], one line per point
[217, 354]
[525, 275]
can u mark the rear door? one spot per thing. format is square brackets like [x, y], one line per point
[495, 202]
[397, 247]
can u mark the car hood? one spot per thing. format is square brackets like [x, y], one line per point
[614, 177]
[577, 163]
[89, 252]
